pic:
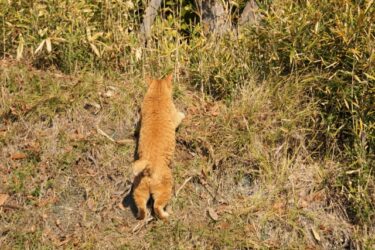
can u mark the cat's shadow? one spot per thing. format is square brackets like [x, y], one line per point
[128, 200]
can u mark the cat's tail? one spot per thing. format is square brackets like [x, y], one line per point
[141, 166]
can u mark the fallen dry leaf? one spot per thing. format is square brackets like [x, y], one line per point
[32, 229]
[251, 229]
[192, 110]
[45, 202]
[33, 146]
[224, 209]
[212, 213]
[318, 196]
[3, 198]
[18, 156]
[61, 243]
[315, 234]
[279, 207]
[303, 204]
[76, 136]
[223, 226]
[112, 88]
[3, 133]
[214, 110]
[109, 93]
[91, 204]
[96, 105]
[93, 107]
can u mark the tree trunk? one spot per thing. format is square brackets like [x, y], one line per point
[249, 14]
[149, 18]
[214, 17]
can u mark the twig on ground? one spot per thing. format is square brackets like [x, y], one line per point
[121, 142]
[9, 206]
[104, 134]
[92, 159]
[183, 185]
[124, 141]
[142, 224]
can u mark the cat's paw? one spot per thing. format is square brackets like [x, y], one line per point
[164, 215]
[161, 214]
[181, 116]
[141, 214]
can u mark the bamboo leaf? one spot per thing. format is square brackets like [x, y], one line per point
[95, 49]
[370, 76]
[315, 234]
[3, 198]
[20, 48]
[40, 47]
[48, 45]
[95, 36]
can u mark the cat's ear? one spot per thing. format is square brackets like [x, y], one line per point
[168, 80]
[169, 77]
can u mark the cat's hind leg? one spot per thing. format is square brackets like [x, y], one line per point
[161, 197]
[141, 195]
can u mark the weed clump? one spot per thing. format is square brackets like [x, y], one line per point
[329, 47]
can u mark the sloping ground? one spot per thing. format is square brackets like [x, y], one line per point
[243, 177]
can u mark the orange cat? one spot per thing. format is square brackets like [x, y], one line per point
[159, 120]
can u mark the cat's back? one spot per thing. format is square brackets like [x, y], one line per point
[157, 135]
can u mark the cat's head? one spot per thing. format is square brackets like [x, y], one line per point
[160, 86]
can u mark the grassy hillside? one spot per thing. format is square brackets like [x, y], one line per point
[277, 150]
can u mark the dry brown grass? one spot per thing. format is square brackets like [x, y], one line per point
[244, 176]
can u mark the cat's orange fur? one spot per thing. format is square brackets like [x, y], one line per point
[159, 120]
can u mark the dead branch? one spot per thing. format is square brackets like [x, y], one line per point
[183, 185]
